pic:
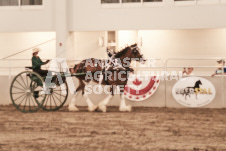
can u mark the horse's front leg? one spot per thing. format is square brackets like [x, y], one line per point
[91, 106]
[102, 105]
[123, 107]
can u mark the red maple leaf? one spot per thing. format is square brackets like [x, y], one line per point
[137, 82]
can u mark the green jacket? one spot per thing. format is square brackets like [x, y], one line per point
[36, 62]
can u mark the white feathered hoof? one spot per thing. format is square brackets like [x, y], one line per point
[125, 108]
[102, 108]
[72, 108]
[92, 108]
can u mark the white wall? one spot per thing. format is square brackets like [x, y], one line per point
[184, 43]
[28, 18]
[86, 45]
[88, 15]
[202, 43]
[163, 44]
[11, 43]
[155, 43]
[126, 37]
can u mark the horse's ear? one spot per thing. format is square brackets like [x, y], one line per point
[135, 44]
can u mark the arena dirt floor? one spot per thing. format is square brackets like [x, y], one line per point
[141, 129]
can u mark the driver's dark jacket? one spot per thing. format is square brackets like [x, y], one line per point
[36, 62]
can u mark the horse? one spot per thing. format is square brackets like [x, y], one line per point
[113, 72]
[187, 90]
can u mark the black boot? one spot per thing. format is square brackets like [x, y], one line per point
[36, 94]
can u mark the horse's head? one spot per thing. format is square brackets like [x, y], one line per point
[130, 53]
[136, 54]
[198, 82]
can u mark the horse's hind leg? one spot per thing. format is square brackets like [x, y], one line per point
[123, 107]
[102, 104]
[71, 106]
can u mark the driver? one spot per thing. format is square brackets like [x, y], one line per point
[37, 63]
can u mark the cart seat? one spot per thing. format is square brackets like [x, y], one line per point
[28, 67]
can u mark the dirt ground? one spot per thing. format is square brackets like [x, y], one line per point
[141, 129]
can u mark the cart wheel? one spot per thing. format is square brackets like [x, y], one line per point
[26, 91]
[56, 98]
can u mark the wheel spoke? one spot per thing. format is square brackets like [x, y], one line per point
[33, 101]
[25, 103]
[22, 100]
[18, 92]
[57, 98]
[54, 100]
[59, 94]
[18, 88]
[19, 97]
[23, 81]
[46, 100]
[50, 102]
[20, 84]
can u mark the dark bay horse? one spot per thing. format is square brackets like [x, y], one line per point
[113, 72]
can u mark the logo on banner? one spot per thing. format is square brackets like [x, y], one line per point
[139, 88]
[193, 91]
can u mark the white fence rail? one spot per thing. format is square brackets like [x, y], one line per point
[203, 67]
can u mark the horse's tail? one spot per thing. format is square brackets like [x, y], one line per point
[75, 66]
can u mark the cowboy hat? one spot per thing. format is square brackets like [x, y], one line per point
[35, 50]
[221, 61]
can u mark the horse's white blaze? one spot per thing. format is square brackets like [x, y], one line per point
[100, 80]
[91, 106]
[102, 104]
[123, 107]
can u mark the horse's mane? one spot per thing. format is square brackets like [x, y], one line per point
[123, 51]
